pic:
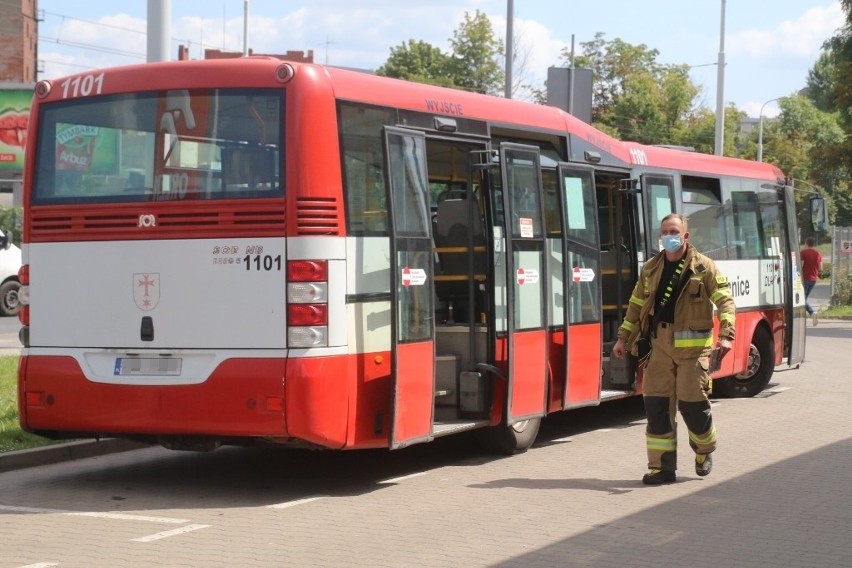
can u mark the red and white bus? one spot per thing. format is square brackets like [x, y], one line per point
[255, 251]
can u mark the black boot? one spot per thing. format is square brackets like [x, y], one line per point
[658, 477]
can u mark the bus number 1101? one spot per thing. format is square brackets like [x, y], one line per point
[262, 262]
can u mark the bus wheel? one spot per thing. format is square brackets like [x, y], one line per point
[9, 303]
[761, 364]
[514, 439]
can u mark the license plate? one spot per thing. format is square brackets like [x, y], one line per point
[150, 366]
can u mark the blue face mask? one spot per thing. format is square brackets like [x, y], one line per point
[672, 243]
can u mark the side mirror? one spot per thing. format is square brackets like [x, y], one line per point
[5, 240]
[819, 214]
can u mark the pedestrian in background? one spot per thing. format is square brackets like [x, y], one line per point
[811, 267]
[671, 312]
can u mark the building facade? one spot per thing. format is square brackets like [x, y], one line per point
[18, 41]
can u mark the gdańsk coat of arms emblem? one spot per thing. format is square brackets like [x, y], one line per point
[146, 290]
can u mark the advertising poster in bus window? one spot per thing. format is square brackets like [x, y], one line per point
[14, 117]
[84, 148]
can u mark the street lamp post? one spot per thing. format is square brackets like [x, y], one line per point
[760, 130]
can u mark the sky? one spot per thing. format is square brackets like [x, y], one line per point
[769, 45]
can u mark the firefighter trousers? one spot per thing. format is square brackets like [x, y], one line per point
[671, 383]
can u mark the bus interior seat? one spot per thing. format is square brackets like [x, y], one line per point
[454, 232]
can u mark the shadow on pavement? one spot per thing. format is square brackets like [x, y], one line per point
[797, 511]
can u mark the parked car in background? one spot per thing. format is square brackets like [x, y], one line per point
[10, 263]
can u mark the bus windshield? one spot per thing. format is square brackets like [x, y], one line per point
[160, 146]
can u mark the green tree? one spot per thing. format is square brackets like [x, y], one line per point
[654, 106]
[806, 144]
[840, 53]
[473, 65]
[476, 56]
[820, 82]
[638, 98]
[612, 64]
[832, 91]
[418, 61]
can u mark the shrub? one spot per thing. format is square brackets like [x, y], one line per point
[842, 293]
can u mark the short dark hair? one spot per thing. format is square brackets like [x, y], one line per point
[678, 216]
[810, 241]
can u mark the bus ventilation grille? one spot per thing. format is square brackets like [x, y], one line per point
[204, 221]
[318, 216]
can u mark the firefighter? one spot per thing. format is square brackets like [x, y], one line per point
[669, 327]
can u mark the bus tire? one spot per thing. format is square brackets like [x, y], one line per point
[9, 302]
[761, 364]
[510, 440]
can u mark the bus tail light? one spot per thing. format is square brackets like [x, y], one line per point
[307, 271]
[307, 303]
[24, 299]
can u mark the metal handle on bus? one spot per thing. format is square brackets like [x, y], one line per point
[485, 367]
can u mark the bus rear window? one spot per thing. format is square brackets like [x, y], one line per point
[161, 146]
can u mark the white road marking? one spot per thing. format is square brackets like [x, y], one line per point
[565, 439]
[40, 565]
[96, 514]
[167, 534]
[294, 503]
[402, 478]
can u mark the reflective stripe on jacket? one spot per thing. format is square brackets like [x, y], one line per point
[693, 310]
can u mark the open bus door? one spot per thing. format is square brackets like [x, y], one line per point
[412, 285]
[578, 281]
[794, 291]
[524, 278]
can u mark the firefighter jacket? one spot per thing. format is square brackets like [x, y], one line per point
[693, 310]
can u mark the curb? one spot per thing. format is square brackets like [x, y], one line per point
[20, 459]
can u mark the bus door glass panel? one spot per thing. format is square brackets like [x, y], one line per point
[581, 285]
[501, 302]
[583, 243]
[526, 275]
[770, 248]
[794, 340]
[364, 186]
[412, 286]
[660, 194]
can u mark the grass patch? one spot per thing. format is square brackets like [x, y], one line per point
[11, 435]
[836, 312]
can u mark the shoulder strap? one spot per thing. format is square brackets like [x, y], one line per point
[671, 286]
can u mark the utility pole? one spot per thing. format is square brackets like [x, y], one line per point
[159, 30]
[510, 25]
[245, 28]
[720, 91]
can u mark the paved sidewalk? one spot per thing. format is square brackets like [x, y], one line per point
[779, 495]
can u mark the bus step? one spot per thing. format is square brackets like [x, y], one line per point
[455, 426]
[613, 394]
